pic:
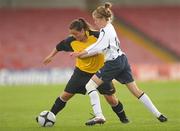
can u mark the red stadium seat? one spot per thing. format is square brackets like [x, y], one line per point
[160, 23]
[28, 35]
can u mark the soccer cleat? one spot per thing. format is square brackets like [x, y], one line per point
[162, 118]
[124, 120]
[95, 120]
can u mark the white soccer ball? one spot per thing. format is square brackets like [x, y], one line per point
[46, 119]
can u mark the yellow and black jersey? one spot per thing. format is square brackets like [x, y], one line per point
[90, 64]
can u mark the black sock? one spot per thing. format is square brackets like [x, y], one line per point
[119, 111]
[58, 106]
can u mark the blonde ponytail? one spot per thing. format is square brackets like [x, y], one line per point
[104, 12]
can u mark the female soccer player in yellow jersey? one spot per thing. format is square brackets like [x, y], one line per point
[82, 37]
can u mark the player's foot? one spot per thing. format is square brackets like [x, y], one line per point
[124, 120]
[95, 120]
[162, 118]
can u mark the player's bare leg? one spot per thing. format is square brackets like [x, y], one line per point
[145, 100]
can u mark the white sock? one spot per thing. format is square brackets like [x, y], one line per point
[94, 98]
[148, 103]
[96, 105]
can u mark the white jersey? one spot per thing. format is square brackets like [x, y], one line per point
[107, 43]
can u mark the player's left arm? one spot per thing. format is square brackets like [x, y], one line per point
[64, 45]
[49, 58]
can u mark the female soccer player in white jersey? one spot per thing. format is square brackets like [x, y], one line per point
[115, 67]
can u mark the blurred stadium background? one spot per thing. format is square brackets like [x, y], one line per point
[149, 31]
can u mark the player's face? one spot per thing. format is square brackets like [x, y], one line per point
[99, 22]
[78, 35]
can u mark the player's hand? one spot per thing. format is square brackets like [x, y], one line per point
[75, 54]
[47, 60]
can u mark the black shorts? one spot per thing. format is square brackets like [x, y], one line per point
[118, 69]
[79, 79]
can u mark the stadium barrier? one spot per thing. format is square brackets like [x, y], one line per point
[142, 72]
[34, 76]
[156, 72]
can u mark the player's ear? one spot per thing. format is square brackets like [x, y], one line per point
[82, 31]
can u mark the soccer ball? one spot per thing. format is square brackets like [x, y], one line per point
[46, 119]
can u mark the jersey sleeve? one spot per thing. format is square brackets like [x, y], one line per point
[65, 45]
[100, 44]
[94, 33]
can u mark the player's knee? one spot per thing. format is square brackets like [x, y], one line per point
[66, 96]
[90, 86]
[113, 101]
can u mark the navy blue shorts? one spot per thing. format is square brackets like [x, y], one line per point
[118, 69]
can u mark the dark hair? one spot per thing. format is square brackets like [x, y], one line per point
[104, 11]
[79, 24]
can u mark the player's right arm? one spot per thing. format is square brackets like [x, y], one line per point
[64, 45]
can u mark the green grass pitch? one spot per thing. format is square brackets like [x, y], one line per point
[19, 105]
